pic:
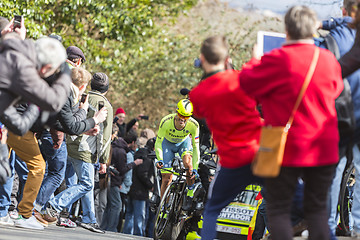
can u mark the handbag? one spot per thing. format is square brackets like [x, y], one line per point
[268, 160]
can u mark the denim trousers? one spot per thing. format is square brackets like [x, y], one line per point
[355, 210]
[111, 215]
[135, 217]
[227, 183]
[55, 172]
[5, 189]
[84, 189]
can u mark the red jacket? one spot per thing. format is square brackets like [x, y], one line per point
[275, 81]
[230, 115]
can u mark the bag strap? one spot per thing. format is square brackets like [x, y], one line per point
[304, 86]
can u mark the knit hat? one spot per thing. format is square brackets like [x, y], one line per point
[100, 82]
[120, 110]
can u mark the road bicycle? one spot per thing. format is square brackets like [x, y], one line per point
[171, 221]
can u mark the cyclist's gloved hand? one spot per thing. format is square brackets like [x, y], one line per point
[195, 173]
[159, 164]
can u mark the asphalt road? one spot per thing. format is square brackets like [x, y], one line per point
[53, 233]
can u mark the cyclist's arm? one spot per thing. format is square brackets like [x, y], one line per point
[159, 140]
[195, 145]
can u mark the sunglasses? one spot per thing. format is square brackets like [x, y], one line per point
[183, 117]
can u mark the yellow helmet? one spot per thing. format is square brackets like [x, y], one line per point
[185, 107]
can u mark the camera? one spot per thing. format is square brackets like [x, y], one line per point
[144, 117]
[83, 97]
[113, 170]
[101, 104]
[17, 22]
[115, 119]
[197, 63]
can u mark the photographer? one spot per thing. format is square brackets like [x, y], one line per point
[120, 148]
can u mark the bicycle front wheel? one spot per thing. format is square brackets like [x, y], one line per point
[163, 225]
[346, 198]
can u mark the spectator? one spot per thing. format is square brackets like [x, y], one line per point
[235, 127]
[311, 149]
[39, 60]
[120, 122]
[118, 160]
[83, 152]
[71, 120]
[75, 56]
[139, 193]
[344, 39]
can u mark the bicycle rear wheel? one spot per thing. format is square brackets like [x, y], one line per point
[164, 214]
[346, 198]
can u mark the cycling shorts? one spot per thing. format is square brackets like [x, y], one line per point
[170, 149]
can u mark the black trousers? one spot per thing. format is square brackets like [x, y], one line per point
[279, 197]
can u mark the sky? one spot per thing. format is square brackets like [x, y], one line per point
[324, 8]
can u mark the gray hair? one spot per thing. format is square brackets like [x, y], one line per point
[50, 51]
[300, 22]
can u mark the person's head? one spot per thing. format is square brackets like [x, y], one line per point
[100, 82]
[150, 144]
[214, 51]
[75, 55]
[80, 78]
[184, 111]
[130, 138]
[300, 23]
[50, 55]
[120, 113]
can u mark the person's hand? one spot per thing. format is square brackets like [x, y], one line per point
[22, 30]
[102, 169]
[100, 115]
[319, 25]
[8, 28]
[255, 52]
[56, 146]
[194, 174]
[138, 161]
[94, 131]
[159, 164]
[3, 136]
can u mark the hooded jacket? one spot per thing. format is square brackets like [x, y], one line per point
[118, 160]
[19, 76]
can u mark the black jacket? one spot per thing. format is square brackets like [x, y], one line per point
[141, 176]
[72, 120]
[118, 160]
[350, 62]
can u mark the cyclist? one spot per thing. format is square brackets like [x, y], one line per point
[174, 137]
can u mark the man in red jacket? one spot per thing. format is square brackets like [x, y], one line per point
[234, 123]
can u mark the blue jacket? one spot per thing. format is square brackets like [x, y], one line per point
[344, 37]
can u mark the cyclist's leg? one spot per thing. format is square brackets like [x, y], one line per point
[168, 155]
[355, 210]
[185, 151]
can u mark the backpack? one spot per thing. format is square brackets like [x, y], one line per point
[343, 104]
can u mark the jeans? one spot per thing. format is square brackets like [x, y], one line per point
[333, 197]
[112, 211]
[355, 210]
[135, 217]
[5, 190]
[227, 183]
[56, 164]
[83, 189]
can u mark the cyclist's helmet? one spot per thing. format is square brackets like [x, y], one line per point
[184, 107]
